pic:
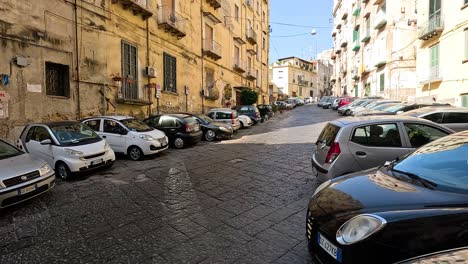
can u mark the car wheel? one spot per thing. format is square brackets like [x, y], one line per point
[179, 143]
[242, 124]
[62, 171]
[210, 135]
[135, 153]
[346, 113]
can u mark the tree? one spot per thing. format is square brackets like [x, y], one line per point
[248, 96]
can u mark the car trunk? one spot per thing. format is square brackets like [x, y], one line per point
[192, 124]
[325, 141]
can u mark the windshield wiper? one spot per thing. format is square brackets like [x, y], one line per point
[426, 183]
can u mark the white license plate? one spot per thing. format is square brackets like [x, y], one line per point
[331, 249]
[96, 162]
[27, 189]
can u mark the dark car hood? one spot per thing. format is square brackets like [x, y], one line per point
[375, 191]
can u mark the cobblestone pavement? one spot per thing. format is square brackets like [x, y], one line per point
[239, 201]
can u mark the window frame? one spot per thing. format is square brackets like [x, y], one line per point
[63, 71]
[169, 72]
[397, 125]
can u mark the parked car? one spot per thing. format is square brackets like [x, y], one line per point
[401, 108]
[345, 101]
[353, 144]
[22, 176]
[225, 115]
[299, 101]
[455, 118]
[250, 111]
[404, 209]
[181, 129]
[284, 105]
[292, 102]
[329, 102]
[323, 100]
[128, 135]
[68, 146]
[245, 121]
[266, 111]
[376, 103]
[346, 109]
[334, 105]
[213, 130]
[308, 100]
[378, 108]
[456, 255]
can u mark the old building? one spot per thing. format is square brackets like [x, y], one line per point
[294, 77]
[442, 64]
[375, 53]
[322, 84]
[73, 59]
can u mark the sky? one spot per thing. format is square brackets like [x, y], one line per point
[310, 15]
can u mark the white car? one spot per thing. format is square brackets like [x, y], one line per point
[245, 121]
[129, 136]
[68, 146]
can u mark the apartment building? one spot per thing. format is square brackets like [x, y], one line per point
[322, 83]
[442, 64]
[294, 77]
[73, 59]
[374, 48]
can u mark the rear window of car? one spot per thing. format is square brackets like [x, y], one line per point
[328, 134]
[223, 115]
[190, 120]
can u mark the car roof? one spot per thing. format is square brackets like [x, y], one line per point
[365, 119]
[57, 123]
[116, 117]
[430, 109]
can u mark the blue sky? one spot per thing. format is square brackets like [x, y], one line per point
[312, 14]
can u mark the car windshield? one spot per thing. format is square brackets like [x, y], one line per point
[136, 125]
[383, 107]
[205, 118]
[395, 108]
[74, 133]
[443, 162]
[7, 151]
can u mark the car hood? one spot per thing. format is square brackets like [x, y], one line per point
[357, 193]
[88, 149]
[154, 133]
[23, 164]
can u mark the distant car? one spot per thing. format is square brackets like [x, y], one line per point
[284, 105]
[225, 115]
[299, 101]
[68, 146]
[22, 176]
[376, 103]
[455, 118]
[377, 108]
[250, 111]
[292, 102]
[245, 121]
[401, 108]
[322, 101]
[266, 111]
[329, 102]
[345, 101]
[308, 100]
[356, 143]
[407, 208]
[346, 109]
[128, 135]
[213, 130]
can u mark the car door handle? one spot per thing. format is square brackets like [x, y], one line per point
[361, 153]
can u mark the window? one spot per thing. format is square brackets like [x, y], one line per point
[170, 73]
[236, 12]
[368, 27]
[466, 42]
[384, 135]
[221, 115]
[209, 78]
[167, 121]
[264, 41]
[57, 80]
[464, 100]
[328, 134]
[436, 117]
[112, 127]
[94, 124]
[257, 81]
[38, 134]
[382, 82]
[129, 71]
[356, 35]
[455, 118]
[236, 56]
[434, 61]
[420, 134]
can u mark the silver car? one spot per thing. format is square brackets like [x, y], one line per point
[455, 118]
[227, 116]
[371, 106]
[22, 176]
[346, 110]
[356, 143]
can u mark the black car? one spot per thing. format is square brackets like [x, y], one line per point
[266, 111]
[406, 208]
[250, 111]
[181, 129]
[213, 130]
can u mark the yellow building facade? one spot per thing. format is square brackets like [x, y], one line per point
[65, 60]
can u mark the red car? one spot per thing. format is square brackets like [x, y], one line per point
[345, 101]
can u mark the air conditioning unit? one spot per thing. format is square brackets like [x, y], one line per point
[151, 72]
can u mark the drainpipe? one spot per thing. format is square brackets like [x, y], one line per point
[148, 79]
[77, 58]
[202, 59]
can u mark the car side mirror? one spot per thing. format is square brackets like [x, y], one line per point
[46, 142]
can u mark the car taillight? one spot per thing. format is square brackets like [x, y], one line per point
[233, 119]
[188, 129]
[333, 152]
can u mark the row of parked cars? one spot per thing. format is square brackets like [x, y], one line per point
[394, 184]
[74, 147]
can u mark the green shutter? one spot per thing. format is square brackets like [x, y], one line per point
[435, 55]
[382, 82]
[355, 35]
[464, 100]
[356, 91]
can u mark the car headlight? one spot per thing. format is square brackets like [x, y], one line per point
[321, 187]
[224, 129]
[359, 228]
[147, 137]
[73, 152]
[44, 170]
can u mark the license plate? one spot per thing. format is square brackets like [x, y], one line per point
[331, 249]
[96, 162]
[27, 189]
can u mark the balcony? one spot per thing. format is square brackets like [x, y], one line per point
[432, 75]
[251, 74]
[366, 38]
[251, 51]
[380, 20]
[344, 43]
[380, 61]
[303, 83]
[431, 28]
[138, 7]
[214, 3]
[333, 33]
[378, 2]
[251, 36]
[238, 65]
[130, 93]
[172, 22]
[239, 40]
[344, 15]
[212, 49]
[338, 26]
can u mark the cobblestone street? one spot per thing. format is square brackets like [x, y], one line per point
[239, 201]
